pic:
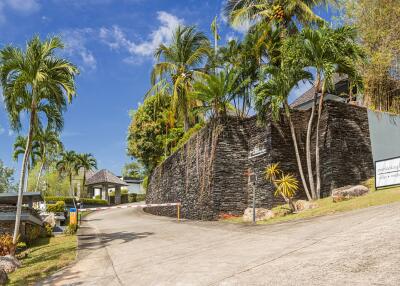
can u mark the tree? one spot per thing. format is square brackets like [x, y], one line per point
[87, 162]
[150, 135]
[48, 142]
[179, 62]
[67, 166]
[19, 149]
[133, 170]
[37, 82]
[6, 179]
[328, 51]
[273, 94]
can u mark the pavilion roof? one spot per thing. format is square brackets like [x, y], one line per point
[104, 176]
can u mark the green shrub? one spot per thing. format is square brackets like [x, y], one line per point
[132, 198]
[32, 232]
[48, 230]
[58, 207]
[140, 197]
[68, 200]
[71, 229]
[97, 197]
[187, 136]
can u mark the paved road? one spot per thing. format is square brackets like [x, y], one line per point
[128, 247]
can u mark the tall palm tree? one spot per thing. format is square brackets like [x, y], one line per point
[273, 94]
[67, 166]
[179, 62]
[49, 142]
[19, 149]
[328, 51]
[39, 83]
[87, 162]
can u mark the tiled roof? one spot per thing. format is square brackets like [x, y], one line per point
[105, 176]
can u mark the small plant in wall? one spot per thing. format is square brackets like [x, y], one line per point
[286, 185]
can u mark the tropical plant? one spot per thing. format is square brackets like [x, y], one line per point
[36, 82]
[87, 162]
[6, 179]
[273, 94]
[328, 51]
[48, 142]
[19, 149]
[286, 185]
[67, 166]
[179, 63]
[133, 170]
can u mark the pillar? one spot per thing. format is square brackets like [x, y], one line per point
[105, 189]
[117, 195]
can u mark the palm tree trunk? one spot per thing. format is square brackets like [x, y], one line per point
[22, 180]
[38, 177]
[308, 140]
[186, 122]
[71, 190]
[317, 157]
[296, 150]
[84, 181]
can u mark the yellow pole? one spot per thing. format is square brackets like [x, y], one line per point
[178, 212]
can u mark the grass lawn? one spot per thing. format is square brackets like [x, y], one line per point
[327, 207]
[45, 256]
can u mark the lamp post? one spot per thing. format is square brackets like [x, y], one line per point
[252, 179]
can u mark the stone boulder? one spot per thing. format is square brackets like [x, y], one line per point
[302, 205]
[3, 277]
[261, 214]
[50, 219]
[348, 192]
[9, 263]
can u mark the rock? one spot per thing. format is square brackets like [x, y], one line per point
[50, 219]
[3, 277]
[9, 263]
[261, 214]
[302, 205]
[348, 192]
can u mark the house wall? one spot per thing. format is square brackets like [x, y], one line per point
[208, 174]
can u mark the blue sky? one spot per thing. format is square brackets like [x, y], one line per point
[112, 42]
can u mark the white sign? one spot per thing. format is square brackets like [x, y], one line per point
[257, 151]
[387, 172]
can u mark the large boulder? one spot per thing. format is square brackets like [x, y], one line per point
[3, 277]
[261, 214]
[9, 263]
[348, 192]
[50, 219]
[302, 205]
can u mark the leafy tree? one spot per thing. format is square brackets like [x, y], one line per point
[150, 135]
[38, 83]
[133, 170]
[87, 162]
[67, 166]
[179, 62]
[6, 179]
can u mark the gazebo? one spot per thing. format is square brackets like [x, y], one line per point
[105, 180]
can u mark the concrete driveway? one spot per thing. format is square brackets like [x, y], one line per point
[129, 247]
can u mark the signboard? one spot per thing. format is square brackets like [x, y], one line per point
[387, 172]
[257, 151]
[73, 219]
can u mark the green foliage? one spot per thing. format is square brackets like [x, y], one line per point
[140, 197]
[71, 229]
[187, 136]
[287, 186]
[133, 170]
[56, 185]
[32, 232]
[6, 244]
[132, 198]
[58, 207]
[6, 179]
[48, 230]
[68, 200]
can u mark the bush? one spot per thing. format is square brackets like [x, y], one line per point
[6, 244]
[132, 198]
[32, 233]
[97, 197]
[71, 229]
[58, 207]
[68, 200]
[48, 230]
[140, 197]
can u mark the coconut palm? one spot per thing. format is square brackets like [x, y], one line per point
[273, 94]
[178, 63]
[38, 83]
[67, 166]
[328, 51]
[87, 162]
[49, 143]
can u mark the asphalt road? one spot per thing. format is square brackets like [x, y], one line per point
[129, 247]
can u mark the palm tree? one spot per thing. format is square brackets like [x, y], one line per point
[179, 62]
[216, 91]
[19, 149]
[87, 162]
[328, 51]
[273, 94]
[49, 142]
[67, 166]
[37, 82]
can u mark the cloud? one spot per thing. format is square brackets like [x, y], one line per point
[116, 39]
[20, 6]
[75, 41]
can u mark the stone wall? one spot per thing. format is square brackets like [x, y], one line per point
[208, 174]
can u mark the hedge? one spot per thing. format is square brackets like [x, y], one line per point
[58, 207]
[85, 201]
